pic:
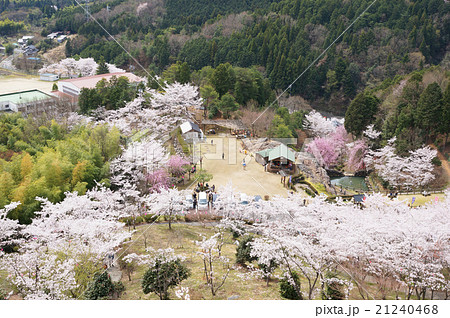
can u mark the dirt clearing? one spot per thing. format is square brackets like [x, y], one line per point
[252, 181]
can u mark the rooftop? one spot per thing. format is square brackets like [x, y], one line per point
[24, 97]
[188, 126]
[91, 81]
[230, 124]
[278, 152]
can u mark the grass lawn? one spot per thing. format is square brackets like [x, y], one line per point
[182, 239]
[240, 281]
[420, 199]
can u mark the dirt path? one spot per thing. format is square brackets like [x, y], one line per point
[444, 161]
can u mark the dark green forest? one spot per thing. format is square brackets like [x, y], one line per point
[280, 37]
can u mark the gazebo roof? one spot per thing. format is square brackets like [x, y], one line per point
[264, 153]
[282, 151]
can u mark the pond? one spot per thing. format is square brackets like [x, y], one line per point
[352, 183]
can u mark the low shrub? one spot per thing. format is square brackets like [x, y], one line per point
[139, 220]
[150, 218]
[201, 216]
[287, 289]
[244, 249]
[436, 161]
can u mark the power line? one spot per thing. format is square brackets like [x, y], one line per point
[315, 61]
[118, 43]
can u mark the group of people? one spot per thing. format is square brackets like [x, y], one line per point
[210, 192]
[392, 195]
[242, 132]
[204, 187]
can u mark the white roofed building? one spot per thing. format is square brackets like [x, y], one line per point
[73, 86]
[191, 131]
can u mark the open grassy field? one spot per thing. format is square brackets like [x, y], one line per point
[182, 239]
[420, 199]
[240, 281]
[240, 284]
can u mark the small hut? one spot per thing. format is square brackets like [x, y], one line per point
[190, 131]
[277, 159]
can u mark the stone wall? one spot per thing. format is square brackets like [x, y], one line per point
[311, 169]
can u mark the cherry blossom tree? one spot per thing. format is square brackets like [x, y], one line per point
[167, 203]
[324, 151]
[62, 236]
[371, 133]
[356, 155]
[415, 170]
[319, 125]
[70, 67]
[211, 254]
[40, 275]
[400, 248]
[419, 167]
[10, 230]
[329, 150]
[177, 166]
[136, 161]
[158, 181]
[155, 111]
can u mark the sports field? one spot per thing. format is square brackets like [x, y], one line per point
[11, 84]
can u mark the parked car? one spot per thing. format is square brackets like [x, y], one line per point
[244, 199]
[202, 201]
[211, 131]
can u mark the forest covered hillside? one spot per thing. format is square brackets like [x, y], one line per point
[279, 38]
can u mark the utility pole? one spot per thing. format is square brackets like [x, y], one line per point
[87, 10]
[201, 157]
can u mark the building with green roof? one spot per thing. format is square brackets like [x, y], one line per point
[15, 102]
[280, 158]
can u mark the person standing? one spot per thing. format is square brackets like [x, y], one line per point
[223, 155]
[194, 200]
[210, 199]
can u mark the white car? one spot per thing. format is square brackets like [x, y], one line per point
[244, 199]
[202, 201]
